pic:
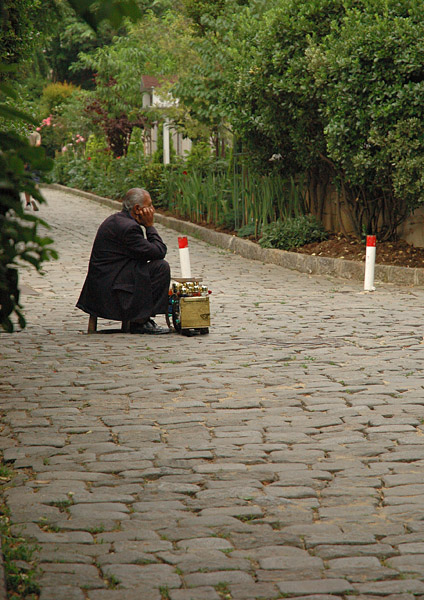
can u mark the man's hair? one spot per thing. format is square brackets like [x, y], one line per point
[132, 197]
[34, 138]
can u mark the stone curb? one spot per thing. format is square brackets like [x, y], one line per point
[304, 263]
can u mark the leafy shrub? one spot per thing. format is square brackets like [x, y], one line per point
[136, 143]
[152, 181]
[247, 230]
[55, 94]
[98, 171]
[370, 77]
[67, 122]
[200, 157]
[228, 216]
[292, 233]
[73, 117]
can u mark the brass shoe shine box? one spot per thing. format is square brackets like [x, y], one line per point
[194, 312]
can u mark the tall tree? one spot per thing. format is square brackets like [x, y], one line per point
[370, 77]
[204, 88]
[75, 36]
[22, 25]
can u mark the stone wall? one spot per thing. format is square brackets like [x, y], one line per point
[336, 218]
[412, 231]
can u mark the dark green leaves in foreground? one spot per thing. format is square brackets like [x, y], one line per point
[112, 10]
[20, 241]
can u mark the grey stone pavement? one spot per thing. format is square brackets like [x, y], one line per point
[280, 456]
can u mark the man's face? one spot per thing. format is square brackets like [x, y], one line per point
[139, 211]
[147, 200]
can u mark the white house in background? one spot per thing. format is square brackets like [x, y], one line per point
[149, 89]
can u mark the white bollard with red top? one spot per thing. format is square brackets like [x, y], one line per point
[370, 263]
[184, 257]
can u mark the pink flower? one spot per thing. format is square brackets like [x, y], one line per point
[38, 129]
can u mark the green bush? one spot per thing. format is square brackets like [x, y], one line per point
[200, 157]
[152, 180]
[292, 233]
[247, 230]
[54, 94]
[67, 122]
[98, 171]
[370, 77]
[228, 216]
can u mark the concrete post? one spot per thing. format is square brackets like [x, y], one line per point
[166, 150]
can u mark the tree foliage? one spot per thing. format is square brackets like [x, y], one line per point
[20, 242]
[370, 76]
[203, 13]
[75, 36]
[206, 90]
[333, 88]
[117, 102]
[273, 101]
[23, 24]
[94, 12]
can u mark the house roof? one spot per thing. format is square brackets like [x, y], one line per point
[148, 82]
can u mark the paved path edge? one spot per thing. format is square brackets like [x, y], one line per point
[304, 263]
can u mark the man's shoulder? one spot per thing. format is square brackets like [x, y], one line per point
[122, 220]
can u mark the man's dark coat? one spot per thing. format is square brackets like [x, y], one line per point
[118, 285]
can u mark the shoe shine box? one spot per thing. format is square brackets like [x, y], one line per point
[194, 312]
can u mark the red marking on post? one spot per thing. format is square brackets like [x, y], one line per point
[371, 240]
[182, 242]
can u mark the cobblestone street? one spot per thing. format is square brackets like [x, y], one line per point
[281, 455]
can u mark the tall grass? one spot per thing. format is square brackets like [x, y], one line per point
[235, 200]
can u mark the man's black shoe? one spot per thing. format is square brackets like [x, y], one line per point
[151, 328]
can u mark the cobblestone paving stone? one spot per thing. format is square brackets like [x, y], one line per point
[280, 456]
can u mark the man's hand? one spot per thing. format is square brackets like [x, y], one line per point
[146, 216]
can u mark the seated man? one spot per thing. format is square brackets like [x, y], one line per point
[127, 278]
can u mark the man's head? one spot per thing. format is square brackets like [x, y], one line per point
[136, 196]
[138, 203]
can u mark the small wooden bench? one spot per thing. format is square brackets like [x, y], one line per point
[92, 325]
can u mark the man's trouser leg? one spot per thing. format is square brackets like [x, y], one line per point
[160, 278]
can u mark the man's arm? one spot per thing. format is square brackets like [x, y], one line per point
[152, 248]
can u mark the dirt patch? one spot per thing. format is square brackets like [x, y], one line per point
[387, 253]
[397, 253]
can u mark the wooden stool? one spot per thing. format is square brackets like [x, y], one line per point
[92, 325]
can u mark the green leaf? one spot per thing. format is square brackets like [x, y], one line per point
[113, 11]
[8, 112]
